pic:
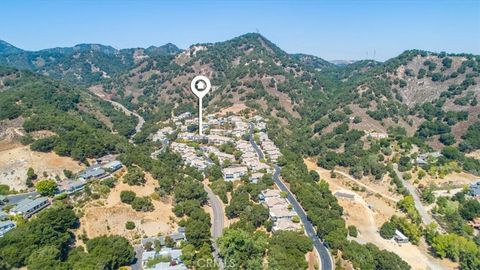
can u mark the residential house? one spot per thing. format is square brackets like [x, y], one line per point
[177, 238]
[475, 189]
[6, 226]
[71, 186]
[475, 223]
[262, 136]
[3, 215]
[287, 225]
[400, 237]
[218, 140]
[173, 255]
[190, 136]
[27, 207]
[233, 173]
[162, 134]
[3, 199]
[275, 202]
[220, 132]
[113, 166]
[92, 173]
[281, 212]
[268, 193]
[255, 177]
[377, 135]
[345, 195]
[260, 125]
[423, 159]
[256, 166]
[182, 116]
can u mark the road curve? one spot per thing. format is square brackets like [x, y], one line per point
[126, 111]
[426, 218]
[218, 213]
[325, 257]
[217, 224]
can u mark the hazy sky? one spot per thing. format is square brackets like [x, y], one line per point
[329, 29]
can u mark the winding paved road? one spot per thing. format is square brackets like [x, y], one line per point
[426, 218]
[126, 111]
[325, 257]
[218, 225]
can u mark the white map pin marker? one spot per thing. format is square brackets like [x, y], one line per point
[200, 87]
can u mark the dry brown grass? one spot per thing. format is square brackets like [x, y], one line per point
[15, 159]
[108, 216]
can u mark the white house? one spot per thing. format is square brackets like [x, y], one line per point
[281, 212]
[234, 173]
[286, 225]
[6, 226]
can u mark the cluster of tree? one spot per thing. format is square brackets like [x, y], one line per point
[362, 162]
[286, 250]
[471, 138]
[47, 187]
[50, 105]
[241, 249]
[407, 205]
[430, 128]
[370, 256]
[76, 138]
[325, 213]
[134, 176]
[44, 243]
[251, 214]
[221, 189]
[198, 248]
[459, 244]
[469, 164]
[457, 248]
[409, 229]
[143, 204]
[124, 125]
[31, 176]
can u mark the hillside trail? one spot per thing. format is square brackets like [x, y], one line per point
[126, 111]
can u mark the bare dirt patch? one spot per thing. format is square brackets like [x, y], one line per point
[15, 159]
[368, 222]
[453, 179]
[474, 154]
[236, 108]
[108, 216]
[369, 210]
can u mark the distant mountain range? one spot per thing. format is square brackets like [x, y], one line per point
[252, 70]
[82, 63]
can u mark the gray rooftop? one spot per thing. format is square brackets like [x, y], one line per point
[27, 204]
[475, 188]
[7, 223]
[93, 171]
[175, 237]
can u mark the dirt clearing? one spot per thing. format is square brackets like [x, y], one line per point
[108, 216]
[15, 159]
[369, 210]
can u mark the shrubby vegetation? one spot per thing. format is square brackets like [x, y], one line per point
[244, 250]
[47, 187]
[44, 242]
[286, 250]
[134, 176]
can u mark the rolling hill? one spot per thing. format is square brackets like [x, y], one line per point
[81, 64]
[409, 90]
